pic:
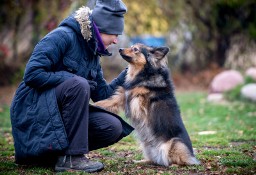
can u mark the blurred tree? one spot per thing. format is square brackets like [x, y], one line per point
[213, 25]
[232, 18]
[22, 24]
[145, 17]
[203, 32]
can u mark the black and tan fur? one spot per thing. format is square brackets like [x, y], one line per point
[149, 102]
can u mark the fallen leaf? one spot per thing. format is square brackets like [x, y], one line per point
[207, 132]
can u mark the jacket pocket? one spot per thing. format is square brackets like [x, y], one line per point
[70, 64]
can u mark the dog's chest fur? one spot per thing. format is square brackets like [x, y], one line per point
[142, 93]
[137, 111]
[136, 103]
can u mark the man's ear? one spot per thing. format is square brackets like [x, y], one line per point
[160, 52]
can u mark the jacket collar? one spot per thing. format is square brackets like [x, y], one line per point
[101, 48]
[82, 16]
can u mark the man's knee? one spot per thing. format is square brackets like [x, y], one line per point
[77, 86]
[79, 83]
[73, 88]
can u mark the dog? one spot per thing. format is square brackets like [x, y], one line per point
[147, 96]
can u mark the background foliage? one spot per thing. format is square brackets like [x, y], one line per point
[201, 34]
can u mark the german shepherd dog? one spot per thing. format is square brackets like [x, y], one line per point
[147, 96]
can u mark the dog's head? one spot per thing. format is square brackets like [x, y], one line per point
[140, 55]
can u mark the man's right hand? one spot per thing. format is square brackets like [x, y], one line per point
[92, 84]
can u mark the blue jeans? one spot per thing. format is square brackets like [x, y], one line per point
[86, 130]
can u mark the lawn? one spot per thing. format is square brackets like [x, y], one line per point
[223, 135]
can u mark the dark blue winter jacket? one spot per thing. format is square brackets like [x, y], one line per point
[37, 126]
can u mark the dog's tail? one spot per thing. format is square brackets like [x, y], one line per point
[179, 153]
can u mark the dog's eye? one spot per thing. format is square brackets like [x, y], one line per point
[135, 49]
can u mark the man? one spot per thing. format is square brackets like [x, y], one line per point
[52, 120]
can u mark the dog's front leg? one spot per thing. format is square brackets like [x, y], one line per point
[115, 102]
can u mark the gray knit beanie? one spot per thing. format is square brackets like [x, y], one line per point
[108, 16]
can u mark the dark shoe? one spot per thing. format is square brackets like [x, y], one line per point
[77, 163]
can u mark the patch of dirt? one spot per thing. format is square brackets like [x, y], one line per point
[6, 95]
[198, 81]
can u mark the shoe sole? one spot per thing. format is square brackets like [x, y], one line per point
[62, 169]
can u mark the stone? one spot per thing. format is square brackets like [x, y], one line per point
[251, 72]
[226, 81]
[215, 97]
[248, 91]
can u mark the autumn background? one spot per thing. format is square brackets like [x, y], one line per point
[205, 37]
[202, 35]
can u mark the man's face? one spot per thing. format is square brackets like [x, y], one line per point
[108, 39]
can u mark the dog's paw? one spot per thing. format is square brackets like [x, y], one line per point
[193, 161]
[101, 104]
[107, 106]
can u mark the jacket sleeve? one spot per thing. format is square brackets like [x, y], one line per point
[119, 81]
[39, 72]
[105, 90]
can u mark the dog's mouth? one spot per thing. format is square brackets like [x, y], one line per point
[127, 58]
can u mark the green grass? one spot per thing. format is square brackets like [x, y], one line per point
[230, 149]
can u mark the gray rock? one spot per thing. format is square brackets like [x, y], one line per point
[251, 72]
[226, 81]
[248, 91]
[215, 97]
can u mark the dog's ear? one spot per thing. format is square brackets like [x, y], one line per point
[160, 52]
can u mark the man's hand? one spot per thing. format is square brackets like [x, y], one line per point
[92, 84]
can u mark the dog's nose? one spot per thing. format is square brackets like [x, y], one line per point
[121, 49]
